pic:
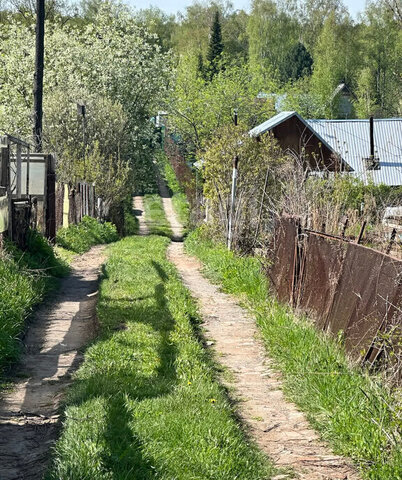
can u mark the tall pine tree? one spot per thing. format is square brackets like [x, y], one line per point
[297, 63]
[215, 47]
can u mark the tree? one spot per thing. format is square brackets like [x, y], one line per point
[201, 66]
[193, 28]
[155, 21]
[379, 84]
[272, 32]
[215, 47]
[259, 163]
[395, 7]
[336, 60]
[297, 63]
[235, 37]
[112, 65]
[200, 108]
[314, 14]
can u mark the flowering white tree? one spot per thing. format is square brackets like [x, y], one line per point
[110, 64]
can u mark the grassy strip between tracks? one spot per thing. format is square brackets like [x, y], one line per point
[179, 199]
[155, 216]
[354, 411]
[145, 403]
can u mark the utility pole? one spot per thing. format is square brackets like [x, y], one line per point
[38, 75]
[233, 195]
[81, 110]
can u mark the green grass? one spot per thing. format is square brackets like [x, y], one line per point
[65, 255]
[131, 223]
[81, 237]
[179, 199]
[354, 411]
[24, 279]
[145, 403]
[182, 209]
[155, 216]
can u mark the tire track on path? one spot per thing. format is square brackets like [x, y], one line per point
[60, 327]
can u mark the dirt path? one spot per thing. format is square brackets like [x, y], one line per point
[57, 332]
[277, 426]
[175, 225]
[138, 207]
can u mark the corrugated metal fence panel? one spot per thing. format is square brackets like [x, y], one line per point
[367, 295]
[3, 214]
[322, 269]
[281, 271]
[343, 286]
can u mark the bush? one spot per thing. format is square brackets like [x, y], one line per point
[80, 238]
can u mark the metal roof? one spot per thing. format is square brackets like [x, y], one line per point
[282, 117]
[272, 122]
[351, 139]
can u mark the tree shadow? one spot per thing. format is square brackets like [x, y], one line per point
[123, 452]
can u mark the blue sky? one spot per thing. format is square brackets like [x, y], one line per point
[172, 6]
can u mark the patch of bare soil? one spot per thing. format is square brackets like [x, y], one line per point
[58, 330]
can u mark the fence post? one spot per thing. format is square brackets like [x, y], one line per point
[72, 210]
[7, 180]
[4, 154]
[50, 199]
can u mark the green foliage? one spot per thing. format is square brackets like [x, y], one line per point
[272, 33]
[354, 411]
[167, 172]
[335, 61]
[145, 403]
[81, 237]
[298, 63]
[130, 220]
[259, 163]
[109, 63]
[155, 216]
[200, 108]
[158, 23]
[215, 48]
[143, 175]
[379, 87]
[25, 276]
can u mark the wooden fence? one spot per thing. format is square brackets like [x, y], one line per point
[31, 197]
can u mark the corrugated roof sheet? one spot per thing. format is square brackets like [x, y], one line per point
[278, 119]
[271, 123]
[351, 139]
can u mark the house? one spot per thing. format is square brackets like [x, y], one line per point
[370, 149]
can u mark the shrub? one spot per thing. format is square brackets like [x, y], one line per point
[80, 238]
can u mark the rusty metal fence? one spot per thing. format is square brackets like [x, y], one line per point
[345, 287]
